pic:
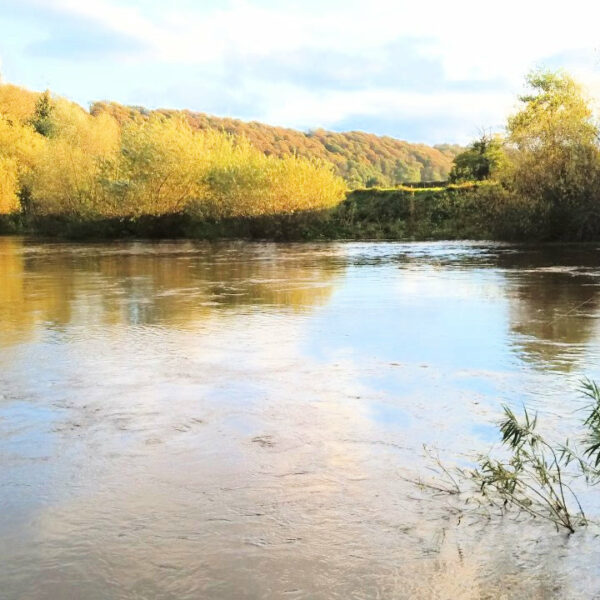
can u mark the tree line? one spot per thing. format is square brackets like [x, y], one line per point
[361, 159]
[58, 159]
[546, 164]
[537, 180]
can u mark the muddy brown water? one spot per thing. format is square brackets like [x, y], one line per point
[238, 421]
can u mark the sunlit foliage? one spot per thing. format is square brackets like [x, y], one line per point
[242, 181]
[547, 165]
[155, 170]
[362, 159]
[9, 200]
[17, 103]
[20, 148]
[66, 178]
[555, 158]
[56, 159]
[541, 180]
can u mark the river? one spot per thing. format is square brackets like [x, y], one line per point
[243, 420]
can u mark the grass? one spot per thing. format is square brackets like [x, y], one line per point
[532, 475]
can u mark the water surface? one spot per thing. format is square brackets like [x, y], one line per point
[186, 420]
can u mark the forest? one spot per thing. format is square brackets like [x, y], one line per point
[58, 159]
[116, 170]
[361, 159]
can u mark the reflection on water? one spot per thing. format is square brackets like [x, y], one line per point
[182, 420]
[149, 284]
[557, 293]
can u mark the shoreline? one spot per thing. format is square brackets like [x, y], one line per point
[475, 211]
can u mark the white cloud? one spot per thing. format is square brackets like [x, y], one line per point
[474, 43]
[472, 40]
[300, 108]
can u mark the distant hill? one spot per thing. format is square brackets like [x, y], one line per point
[362, 159]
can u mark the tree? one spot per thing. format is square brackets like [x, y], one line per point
[42, 120]
[16, 103]
[157, 169]
[9, 179]
[480, 161]
[20, 149]
[554, 157]
[66, 176]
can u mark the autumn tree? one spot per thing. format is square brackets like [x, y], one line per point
[20, 149]
[157, 168]
[16, 103]
[66, 177]
[9, 199]
[241, 181]
[554, 158]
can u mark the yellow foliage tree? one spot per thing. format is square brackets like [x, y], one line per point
[554, 153]
[17, 103]
[66, 179]
[241, 181]
[69, 162]
[20, 142]
[9, 179]
[157, 169]
[20, 148]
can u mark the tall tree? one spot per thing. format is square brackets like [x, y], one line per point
[42, 120]
[555, 160]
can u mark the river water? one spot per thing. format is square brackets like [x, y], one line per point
[238, 421]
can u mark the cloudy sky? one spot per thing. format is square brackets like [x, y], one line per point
[431, 71]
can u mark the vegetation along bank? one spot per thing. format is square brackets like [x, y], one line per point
[119, 171]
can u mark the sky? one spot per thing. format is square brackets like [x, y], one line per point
[428, 71]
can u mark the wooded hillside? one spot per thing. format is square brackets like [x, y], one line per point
[362, 159]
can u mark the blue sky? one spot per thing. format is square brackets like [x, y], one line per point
[433, 71]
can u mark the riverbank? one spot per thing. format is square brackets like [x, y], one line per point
[403, 213]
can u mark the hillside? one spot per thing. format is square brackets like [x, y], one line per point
[362, 159]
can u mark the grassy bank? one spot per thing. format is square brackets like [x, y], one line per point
[452, 212]
[15, 224]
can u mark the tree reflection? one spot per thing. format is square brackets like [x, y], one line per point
[56, 285]
[554, 298]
